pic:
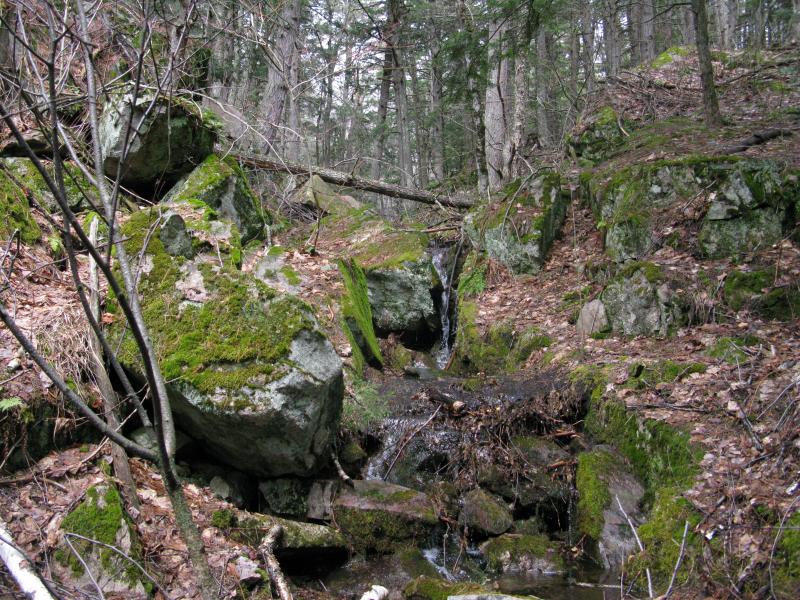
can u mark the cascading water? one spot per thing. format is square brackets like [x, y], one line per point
[443, 262]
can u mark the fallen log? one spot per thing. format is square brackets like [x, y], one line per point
[355, 182]
[20, 568]
[760, 137]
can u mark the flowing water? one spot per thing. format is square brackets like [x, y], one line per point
[444, 260]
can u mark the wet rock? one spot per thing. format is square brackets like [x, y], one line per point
[523, 554]
[170, 139]
[640, 302]
[592, 318]
[431, 588]
[101, 516]
[604, 481]
[380, 517]
[483, 514]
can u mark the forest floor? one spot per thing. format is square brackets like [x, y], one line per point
[750, 464]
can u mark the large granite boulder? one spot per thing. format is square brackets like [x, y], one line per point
[519, 230]
[639, 301]
[250, 374]
[172, 136]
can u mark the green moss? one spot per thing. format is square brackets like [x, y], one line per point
[753, 290]
[472, 281]
[241, 335]
[400, 357]
[593, 494]
[742, 286]
[430, 588]
[669, 55]
[651, 271]
[665, 371]
[731, 349]
[782, 304]
[291, 275]
[660, 455]
[661, 537]
[363, 408]
[352, 453]
[100, 517]
[516, 546]
[15, 213]
[415, 564]
[357, 315]
[787, 559]
[379, 531]
[276, 251]
[223, 519]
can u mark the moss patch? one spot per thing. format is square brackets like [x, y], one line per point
[787, 559]
[357, 316]
[430, 588]
[15, 214]
[472, 281]
[593, 495]
[515, 547]
[731, 349]
[665, 371]
[240, 335]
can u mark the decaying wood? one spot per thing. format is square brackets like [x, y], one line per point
[273, 567]
[20, 568]
[352, 181]
[759, 137]
[341, 472]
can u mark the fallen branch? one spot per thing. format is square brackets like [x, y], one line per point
[20, 568]
[639, 544]
[760, 137]
[340, 471]
[352, 181]
[273, 567]
[679, 561]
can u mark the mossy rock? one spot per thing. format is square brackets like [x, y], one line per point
[519, 230]
[500, 349]
[101, 516]
[645, 376]
[251, 375]
[484, 514]
[603, 482]
[171, 137]
[415, 564]
[221, 186]
[732, 349]
[523, 554]
[357, 316]
[754, 290]
[15, 212]
[639, 301]
[598, 136]
[317, 194]
[379, 517]
[432, 588]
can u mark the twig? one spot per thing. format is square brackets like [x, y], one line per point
[408, 439]
[678, 562]
[638, 543]
[273, 567]
[85, 567]
[341, 472]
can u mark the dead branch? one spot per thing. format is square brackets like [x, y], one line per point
[639, 544]
[759, 137]
[679, 561]
[359, 183]
[273, 567]
[340, 471]
[408, 439]
[20, 568]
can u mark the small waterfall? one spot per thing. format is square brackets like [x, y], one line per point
[443, 261]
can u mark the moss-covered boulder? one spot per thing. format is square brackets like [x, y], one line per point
[519, 230]
[250, 374]
[500, 348]
[317, 194]
[308, 543]
[745, 202]
[220, 185]
[598, 135]
[640, 301]
[15, 212]
[21, 173]
[169, 137]
[484, 514]
[101, 516]
[357, 316]
[434, 588]
[399, 272]
[381, 517]
[754, 291]
[603, 482]
[529, 555]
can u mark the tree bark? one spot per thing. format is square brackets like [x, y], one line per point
[355, 182]
[647, 31]
[611, 38]
[710, 102]
[496, 109]
[542, 89]
[587, 35]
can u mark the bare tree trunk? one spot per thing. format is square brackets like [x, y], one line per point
[795, 34]
[383, 109]
[280, 56]
[587, 35]
[435, 102]
[420, 130]
[710, 103]
[517, 137]
[647, 31]
[395, 10]
[687, 26]
[542, 89]
[633, 13]
[496, 105]
[611, 35]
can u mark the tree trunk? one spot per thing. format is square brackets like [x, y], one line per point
[383, 110]
[687, 26]
[611, 38]
[420, 129]
[647, 31]
[395, 13]
[633, 14]
[280, 56]
[542, 89]
[795, 34]
[587, 35]
[517, 137]
[496, 107]
[710, 103]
